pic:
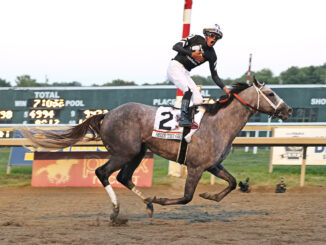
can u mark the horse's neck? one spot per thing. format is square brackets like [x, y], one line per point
[235, 116]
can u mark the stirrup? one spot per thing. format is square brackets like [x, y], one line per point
[186, 123]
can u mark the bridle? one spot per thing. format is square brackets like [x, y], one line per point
[260, 93]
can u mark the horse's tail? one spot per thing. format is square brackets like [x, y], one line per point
[59, 140]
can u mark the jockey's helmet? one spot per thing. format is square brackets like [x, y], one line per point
[215, 29]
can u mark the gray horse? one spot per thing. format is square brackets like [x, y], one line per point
[126, 132]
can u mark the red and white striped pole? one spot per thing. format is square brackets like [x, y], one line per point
[248, 82]
[176, 169]
[185, 33]
[186, 18]
[249, 70]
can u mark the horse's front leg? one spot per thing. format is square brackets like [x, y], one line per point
[192, 180]
[219, 171]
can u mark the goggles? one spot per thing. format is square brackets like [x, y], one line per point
[213, 35]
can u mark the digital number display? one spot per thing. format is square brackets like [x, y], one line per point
[5, 134]
[47, 121]
[37, 114]
[45, 111]
[44, 116]
[85, 114]
[46, 103]
[6, 114]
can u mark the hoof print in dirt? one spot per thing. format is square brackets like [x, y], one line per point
[119, 222]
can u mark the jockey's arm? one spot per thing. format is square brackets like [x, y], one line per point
[217, 79]
[179, 47]
[197, 55]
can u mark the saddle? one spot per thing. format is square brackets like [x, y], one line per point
[166, 123]
[166, 127]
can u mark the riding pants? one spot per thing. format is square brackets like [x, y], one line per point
[180, 76]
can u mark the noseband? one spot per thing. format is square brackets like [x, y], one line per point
[260, 93]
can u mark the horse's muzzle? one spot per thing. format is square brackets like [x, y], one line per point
[284, 112]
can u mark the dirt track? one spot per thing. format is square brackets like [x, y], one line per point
[80, 216]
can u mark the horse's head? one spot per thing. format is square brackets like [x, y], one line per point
[270, 103]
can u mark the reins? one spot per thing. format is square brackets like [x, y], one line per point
[242, 101]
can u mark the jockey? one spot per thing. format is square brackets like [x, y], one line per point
[192, 52]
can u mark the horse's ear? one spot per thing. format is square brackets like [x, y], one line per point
[256, 83]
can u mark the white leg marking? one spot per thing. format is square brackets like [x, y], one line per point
[112, 195]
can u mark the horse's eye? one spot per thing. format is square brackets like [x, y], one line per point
[271, 94]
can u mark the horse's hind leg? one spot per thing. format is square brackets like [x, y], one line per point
[219, 171]
[125, 177]
[192, 180]
[103, 173]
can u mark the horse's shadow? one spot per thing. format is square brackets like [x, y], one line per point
[196, 214]
[189, 214]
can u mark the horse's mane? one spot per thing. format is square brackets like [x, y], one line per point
[214, 108]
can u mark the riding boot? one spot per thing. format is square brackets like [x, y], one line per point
[184, 119]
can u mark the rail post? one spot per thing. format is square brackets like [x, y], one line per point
[303, 166]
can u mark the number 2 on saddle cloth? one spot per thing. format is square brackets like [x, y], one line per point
[166, 124]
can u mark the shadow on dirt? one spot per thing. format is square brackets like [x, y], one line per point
[198, 214]
[188, 214]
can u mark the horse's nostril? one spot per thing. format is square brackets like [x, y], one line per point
[290, 110]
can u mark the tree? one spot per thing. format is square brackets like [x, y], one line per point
[200, 80]
[243, 78]
[167, 82]
[305, 75]
[266, 76]
[227, 81]
[4, 83]
[290, 76]
[321, 73]
[119, 82]
[67, 84]
[314, 74]
[26, 81]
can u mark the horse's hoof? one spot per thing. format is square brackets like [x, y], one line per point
[150, 209]
[114, 215]
[217, 198]
[205, 195]
[149, 200]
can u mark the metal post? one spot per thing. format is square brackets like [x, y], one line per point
[269, 121]
[247, 135]
[271, 155]
[8, 169]
[303, 166]
[212, 181]
[9, 166]
[254, 151]
[270, 169]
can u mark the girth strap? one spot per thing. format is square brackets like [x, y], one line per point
[182, 154]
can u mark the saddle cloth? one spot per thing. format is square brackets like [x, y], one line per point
[166, 124]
